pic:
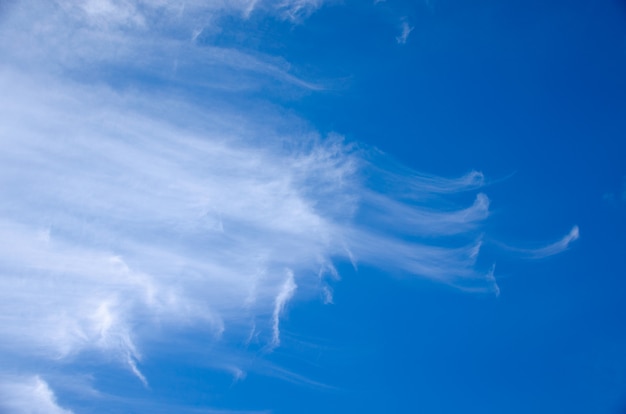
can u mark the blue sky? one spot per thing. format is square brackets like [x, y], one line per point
[305, 206]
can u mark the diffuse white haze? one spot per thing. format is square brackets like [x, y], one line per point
[125, 213]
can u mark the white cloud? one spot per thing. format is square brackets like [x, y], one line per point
[28, 396]
[406, 30]
[548, 250]
[557, 247]
[191, 219]
[157, 39]
[284, 295]
[189, 216]
[139, 12]
[296, 10]
[130, 215]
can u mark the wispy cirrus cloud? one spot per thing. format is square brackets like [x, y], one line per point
[405, 31]
[296, 10]
[131, 213]
[127, 212]
[28, 395]
[285, 294]
[113, 41]
[547, 250]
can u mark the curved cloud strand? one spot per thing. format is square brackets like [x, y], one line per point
[551, 249]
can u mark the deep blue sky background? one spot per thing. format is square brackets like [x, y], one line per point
[533, 94]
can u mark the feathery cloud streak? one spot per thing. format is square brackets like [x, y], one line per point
[28, 395]
[550, 249]
[406, 30]
[115, 40]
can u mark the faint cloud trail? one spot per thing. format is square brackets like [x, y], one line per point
[406, 30]
[548, 250]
